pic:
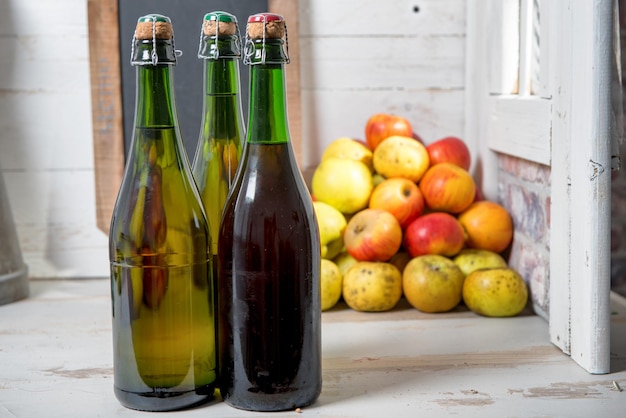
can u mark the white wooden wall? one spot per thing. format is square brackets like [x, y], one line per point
[361, 57]
[46, 151]
[358, 57]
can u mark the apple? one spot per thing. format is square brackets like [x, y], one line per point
[373, 235]
[331, 224]
[344, 261]
[344, 184]
[497, 292]
[400, 197]
[488, 226]
[401, 156]
[348, 149]
[433, 283]
[372, 286]
[479, 195]
[331, 285]
[450, 150]
[381, 126]
[447, 188]
[400, 260]
[472, 259]
[434, 233]
[416, 137]
[362, 142]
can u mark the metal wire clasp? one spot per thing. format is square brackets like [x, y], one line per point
[251, 49]
[154, 56]
[214, 53]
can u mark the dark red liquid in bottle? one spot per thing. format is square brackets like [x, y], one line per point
[269, 303]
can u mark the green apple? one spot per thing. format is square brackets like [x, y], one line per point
[472, 259]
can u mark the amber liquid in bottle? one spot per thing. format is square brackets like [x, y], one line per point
[269, 263]
[161, 278]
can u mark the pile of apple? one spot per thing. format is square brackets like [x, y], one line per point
[399, 217]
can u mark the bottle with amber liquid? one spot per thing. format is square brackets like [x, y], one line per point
[221, 131]
[164, 351]
[269, 251]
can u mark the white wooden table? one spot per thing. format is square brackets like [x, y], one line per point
[56, 361]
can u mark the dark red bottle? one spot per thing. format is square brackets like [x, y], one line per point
[269, 251]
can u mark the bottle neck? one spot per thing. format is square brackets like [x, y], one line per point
[268, 121]
[155, 103]
[221, 64]
[221, 77]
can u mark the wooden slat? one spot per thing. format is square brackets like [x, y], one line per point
[108, 137]
[289, 10]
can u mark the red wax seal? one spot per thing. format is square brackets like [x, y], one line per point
[264, 17]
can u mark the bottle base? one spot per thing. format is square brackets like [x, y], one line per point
[161, 401]
[267, 402]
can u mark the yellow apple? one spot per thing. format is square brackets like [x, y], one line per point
[497, 292]
[344, 261]
[372, 286]
[401, 156]
[332, 225]
[344, 184]
[349, 149]
[331, 284]
[432, 283]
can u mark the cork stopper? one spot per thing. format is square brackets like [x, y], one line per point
[154, 26]
[222, 23]
[272, 24]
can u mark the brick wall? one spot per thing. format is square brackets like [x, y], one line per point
[618, 190]
[524, 189]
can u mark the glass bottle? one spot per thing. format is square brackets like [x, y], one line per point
[164, 353]
[221, 134]
[269, 251]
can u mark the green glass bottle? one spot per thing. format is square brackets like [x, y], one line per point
[221, 133]
[269, 251]
[164, 353]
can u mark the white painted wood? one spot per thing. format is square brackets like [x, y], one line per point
[366, 59]
[560, 226]
[567, 126]
[477, 85]
[501, 17]
[57, 362]
[323, 18]
[520, 126]
[46, 151]
[590, 176]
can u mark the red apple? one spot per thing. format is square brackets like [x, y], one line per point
[362, 142]
[400, 197]
[418, 138]
[382, 125]
[372, 235]
[479, 195]
[450, 150]
[447, 188]
[435, 233]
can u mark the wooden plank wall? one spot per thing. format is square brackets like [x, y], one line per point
[359, 57]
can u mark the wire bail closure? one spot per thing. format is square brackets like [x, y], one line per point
[220, 32]
[251, 50]
[154, 56]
